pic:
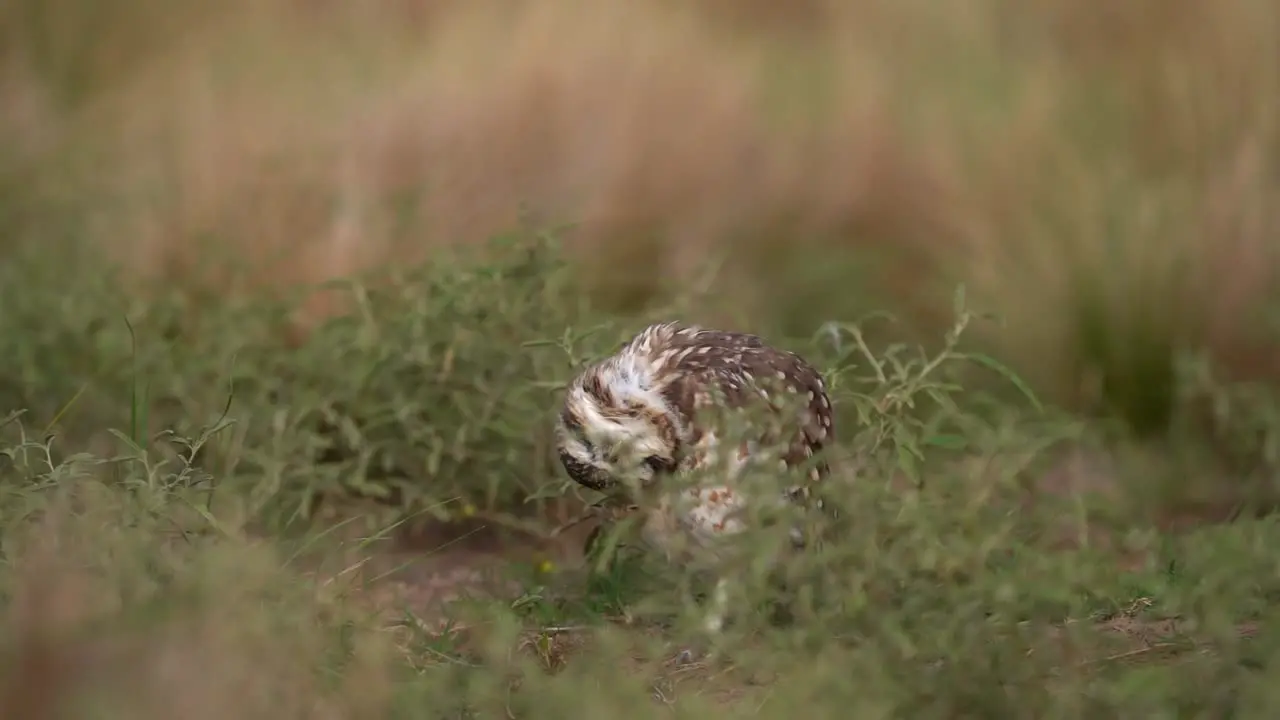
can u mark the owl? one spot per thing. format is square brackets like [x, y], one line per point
[658, 408]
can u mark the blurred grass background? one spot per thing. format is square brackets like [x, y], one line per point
[353, 230]
[1091, 174]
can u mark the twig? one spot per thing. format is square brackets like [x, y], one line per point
[564, 629]
[609, 508]
[1136, 652]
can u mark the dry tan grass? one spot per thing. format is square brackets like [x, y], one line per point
[1030, 151]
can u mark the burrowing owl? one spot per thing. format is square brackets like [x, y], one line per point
[639, 416]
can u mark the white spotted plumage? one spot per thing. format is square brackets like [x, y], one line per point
[638, 416]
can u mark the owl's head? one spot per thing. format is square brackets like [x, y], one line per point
[616, 432]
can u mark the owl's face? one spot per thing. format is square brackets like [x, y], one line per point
[614, 435]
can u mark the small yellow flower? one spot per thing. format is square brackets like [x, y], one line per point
[468, 510]
[546, 566]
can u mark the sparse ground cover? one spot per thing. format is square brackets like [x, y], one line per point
[1030, 247]
[178, 562]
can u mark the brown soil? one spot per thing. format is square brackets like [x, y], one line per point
[422, 570]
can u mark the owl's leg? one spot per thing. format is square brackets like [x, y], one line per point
[719, 610]
[715, 617]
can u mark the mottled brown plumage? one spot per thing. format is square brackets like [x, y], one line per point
[658, 407]
[656, 388]
[741, 367]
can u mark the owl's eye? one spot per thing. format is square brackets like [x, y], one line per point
[658, 465]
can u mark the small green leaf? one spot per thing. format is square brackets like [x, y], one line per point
[907, 463]
[999, 368]
[948, 442]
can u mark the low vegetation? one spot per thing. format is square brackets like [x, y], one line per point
[285, 309]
